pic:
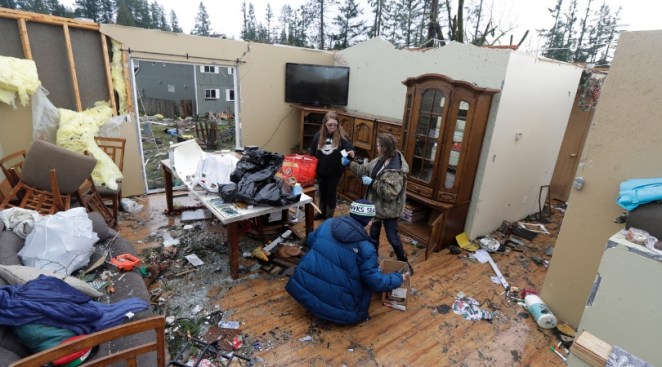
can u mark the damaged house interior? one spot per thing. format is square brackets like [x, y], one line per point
[130, 211]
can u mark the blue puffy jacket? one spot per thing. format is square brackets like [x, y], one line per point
[335, 279]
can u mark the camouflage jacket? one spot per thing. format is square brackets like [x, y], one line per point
[388, 189]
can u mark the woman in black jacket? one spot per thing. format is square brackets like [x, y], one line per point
[326, 147]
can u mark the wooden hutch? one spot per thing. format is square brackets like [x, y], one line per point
[441, 136]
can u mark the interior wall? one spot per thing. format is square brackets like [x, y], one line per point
[266, 120]
[536, 100]
[378, 70]
[522, 144]
[623, 143]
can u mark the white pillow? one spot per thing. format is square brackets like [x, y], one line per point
[19, 275]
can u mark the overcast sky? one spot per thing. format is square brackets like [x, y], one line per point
[226, 16]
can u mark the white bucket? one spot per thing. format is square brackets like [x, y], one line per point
[540, 312]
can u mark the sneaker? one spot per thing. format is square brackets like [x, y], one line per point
[411, 268]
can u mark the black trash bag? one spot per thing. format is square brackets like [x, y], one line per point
[256, 160]
[228, 192]
[275, 193]
[256, 169]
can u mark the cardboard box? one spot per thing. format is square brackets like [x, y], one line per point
[396, 298]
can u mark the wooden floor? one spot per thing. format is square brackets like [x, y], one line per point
[428, 333]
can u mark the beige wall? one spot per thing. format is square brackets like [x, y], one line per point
[536, 99]
[15, 129]
[265, 119]
[623, 143]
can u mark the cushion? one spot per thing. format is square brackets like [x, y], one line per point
[10, 245]
[100, 227]
[38, 337]
[19, 275]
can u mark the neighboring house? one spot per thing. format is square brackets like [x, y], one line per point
[215, 88]
[163, 81]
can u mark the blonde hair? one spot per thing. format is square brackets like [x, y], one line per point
[337, 135]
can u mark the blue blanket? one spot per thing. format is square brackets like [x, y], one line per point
[50, 301]
[635, 192]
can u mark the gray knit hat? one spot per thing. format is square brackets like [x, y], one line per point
[362, 211]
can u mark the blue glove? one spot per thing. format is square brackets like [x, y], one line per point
[366, 180]
[344, 161]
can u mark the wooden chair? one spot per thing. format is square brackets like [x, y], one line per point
[14, 160]
[207, 133]
[12, 168]
[114, 147]
[130, 355]
[49, 176]
[89, 197]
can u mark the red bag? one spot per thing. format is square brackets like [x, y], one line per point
[299, 167]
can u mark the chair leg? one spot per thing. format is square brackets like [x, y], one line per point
[116, 207]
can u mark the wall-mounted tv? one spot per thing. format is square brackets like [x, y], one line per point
[317, 85]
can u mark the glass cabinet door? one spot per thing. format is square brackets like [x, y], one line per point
[430, 127]
[454, 157]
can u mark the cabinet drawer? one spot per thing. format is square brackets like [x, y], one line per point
[447, 197]
[388, 128]
[418, 189]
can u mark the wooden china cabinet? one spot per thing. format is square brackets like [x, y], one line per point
[442, 134]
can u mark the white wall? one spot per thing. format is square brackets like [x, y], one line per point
[536, 101]
[378, 70]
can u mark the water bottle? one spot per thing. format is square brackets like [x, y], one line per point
[538, 309]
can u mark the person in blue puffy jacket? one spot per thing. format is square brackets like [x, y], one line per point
[337, 276]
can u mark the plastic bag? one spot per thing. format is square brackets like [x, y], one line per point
[214, 170]
[45, 117]
[62, 242]
[228, 192]
[111, 128]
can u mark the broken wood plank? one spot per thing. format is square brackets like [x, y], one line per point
[72, 68]
[591, 349]
[25, 39]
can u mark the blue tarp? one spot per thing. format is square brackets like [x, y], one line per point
[635, 192]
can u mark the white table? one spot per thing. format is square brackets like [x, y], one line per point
[244, 214]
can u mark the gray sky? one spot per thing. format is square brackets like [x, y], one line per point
[226, 16]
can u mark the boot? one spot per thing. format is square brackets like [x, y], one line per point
[330, 210]
[411, 268]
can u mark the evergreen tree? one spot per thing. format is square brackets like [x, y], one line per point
[406, 19]
[286, 21]
[174, 23]
[270, 16]
[9, 4]
[124, 14]
[380, 10]
[88, 9]
[107, 11]
[55, 8]
[349, 25]
[35, 6]
[202, 25]
[249, 31]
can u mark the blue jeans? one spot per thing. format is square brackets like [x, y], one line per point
[391, 228]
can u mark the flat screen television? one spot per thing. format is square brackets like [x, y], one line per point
[316, 85]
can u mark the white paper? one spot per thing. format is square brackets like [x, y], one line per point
[194, 260]
[482, 256]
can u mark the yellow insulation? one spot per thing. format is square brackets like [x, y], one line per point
[117, 72]
[17, 76]
[77, 131]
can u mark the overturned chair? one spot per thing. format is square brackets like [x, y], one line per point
[50, 177]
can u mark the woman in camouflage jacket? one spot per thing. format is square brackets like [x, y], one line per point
[386, 178]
